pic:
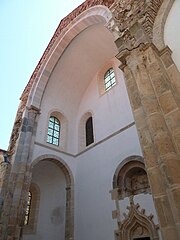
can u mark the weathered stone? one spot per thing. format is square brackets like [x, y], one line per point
[153, 86]
[158, 103]
[167, 103]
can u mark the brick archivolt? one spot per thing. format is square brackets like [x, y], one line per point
[120, 17]
[65, 33]
[94, 15]
[136, 29]
[149, 15]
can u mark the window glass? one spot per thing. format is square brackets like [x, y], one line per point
[26, 220]
[109, 79]
[53, 134]
[89, 131]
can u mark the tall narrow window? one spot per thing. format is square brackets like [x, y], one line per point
[27, 213]
[53, 135]
[32, 210]
[89, 131]
[109, 79]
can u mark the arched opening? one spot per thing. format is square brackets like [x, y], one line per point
[135, 181]
[86, 131]
[32, 209]
[109, 79]
[51, 218]
[131, 182]
[94, 16]
[89, 131]
[131, 178]
[171, 35]
[54, 130]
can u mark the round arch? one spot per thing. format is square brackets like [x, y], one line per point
[94, 15]
[59, 162]
[81, 130]
[131, 178]
[133, 158]
[69, 212]
[158, 28]
[59, 114]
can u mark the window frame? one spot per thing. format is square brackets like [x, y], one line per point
[30, 227]
[114, 64]
[109, 79]
[55, 140]
[28, 209]
[82, 131]
[89, 131]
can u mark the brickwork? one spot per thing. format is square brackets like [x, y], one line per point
[153, 85]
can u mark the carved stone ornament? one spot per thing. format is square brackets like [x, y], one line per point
[128, 12]
[136, 224]
[131, 178]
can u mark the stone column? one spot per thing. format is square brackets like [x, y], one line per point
[5, 168]
[69, 233]
[19, 179]
[153, 85]
[4, 176]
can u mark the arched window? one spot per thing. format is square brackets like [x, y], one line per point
[109, 79]
[53, 135]
[89, 131]
[27, 213]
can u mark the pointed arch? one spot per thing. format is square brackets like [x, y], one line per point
[137, 224]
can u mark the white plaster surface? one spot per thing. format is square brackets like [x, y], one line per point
[145, 201]
[73, 90]
[94, 178]
[51, 218]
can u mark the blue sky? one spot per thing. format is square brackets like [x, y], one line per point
[26, 29]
